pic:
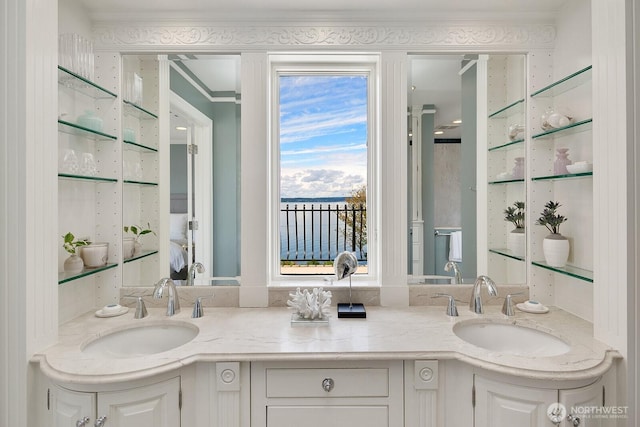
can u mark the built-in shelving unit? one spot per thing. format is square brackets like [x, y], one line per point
[68, 277]
[88, 172]
[506, 253]
[122, 186]
[506, 166]
[568, 270]
[570, 96]
[141, 255]
[140, 165]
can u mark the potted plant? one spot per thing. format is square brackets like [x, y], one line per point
[555, 246]
[132, 245]
[516, 239]
[74, 263]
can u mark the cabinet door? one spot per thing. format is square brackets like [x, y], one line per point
[155, 405]
[506, 405]
[323, 416]
[68, 407]
[579, 403]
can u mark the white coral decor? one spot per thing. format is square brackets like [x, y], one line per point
[311, 305]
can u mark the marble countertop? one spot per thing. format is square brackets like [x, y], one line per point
[266, 334]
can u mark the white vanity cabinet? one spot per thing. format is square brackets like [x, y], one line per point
[499, 404]
[156, 405]
[327, 393]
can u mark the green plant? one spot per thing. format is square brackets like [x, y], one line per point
[138, 231]
[358, 223]
[70, 244]
[515, 214]
[550, 219]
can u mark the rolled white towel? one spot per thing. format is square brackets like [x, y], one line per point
[455, 246]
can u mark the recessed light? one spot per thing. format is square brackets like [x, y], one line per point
[181, 128]
[438, 132]
[457, 122]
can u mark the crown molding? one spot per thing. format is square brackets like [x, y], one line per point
[163, 37]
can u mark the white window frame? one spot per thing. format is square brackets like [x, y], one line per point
[327, 64]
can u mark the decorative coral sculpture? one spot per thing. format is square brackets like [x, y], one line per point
[311, 305]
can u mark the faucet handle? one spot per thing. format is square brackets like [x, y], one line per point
[197, 307]
[141, 309]
[452, 310]
[507, 307]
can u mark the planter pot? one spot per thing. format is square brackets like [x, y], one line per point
[128, 246]
[556, 250]
[95, 255]
[73, 264]
[516, 242]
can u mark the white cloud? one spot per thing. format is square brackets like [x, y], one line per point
[320, 183]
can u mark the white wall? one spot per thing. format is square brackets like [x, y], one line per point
[28, 295]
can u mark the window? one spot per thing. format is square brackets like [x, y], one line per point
[322, 118]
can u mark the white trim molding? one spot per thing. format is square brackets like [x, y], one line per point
[221, 36]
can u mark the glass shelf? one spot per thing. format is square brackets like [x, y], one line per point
[68, 277]
[564, 176]
[581, 126]
[80, 84]
[142, 254]
[506, 253]
[568, 270]
[509, 110]
[507, 181]
[86, 178]
[134, 146]
[565, 84]
[129, 181]
[74, 129]
[132, 109]
[518, 143]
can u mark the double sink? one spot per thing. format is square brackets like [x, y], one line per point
[507, 337]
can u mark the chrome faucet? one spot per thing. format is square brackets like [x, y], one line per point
[475, 305]
[458, 276]
[191, 275]
[173, 303]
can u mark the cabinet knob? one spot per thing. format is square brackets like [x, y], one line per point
[100, 421]
[327, 384]
[83, 422]
[574, 420]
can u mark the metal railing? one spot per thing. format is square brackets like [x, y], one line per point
[319, 232]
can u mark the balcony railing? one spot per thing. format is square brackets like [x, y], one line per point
[317, 233]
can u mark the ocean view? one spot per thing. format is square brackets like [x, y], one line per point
[311, 229]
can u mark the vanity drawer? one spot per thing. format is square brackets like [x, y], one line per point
[342, 382]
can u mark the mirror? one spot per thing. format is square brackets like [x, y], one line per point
[205, 179]
[442, 168]
[442, 104]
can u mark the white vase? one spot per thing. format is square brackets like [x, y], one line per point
[137, 248]
[95, 255]
[73, 264]
[128, 245]
[556, 250]
[516, 242]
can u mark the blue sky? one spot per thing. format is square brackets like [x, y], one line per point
[323, 135]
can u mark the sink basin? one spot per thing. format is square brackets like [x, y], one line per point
[141, 340]
[509, 338]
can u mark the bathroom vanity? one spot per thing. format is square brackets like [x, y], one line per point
[253, 367]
